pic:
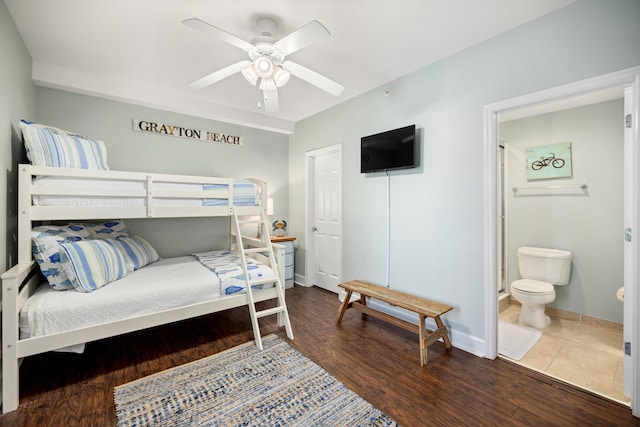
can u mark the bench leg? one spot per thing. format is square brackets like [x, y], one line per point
[422, 326]
[443, 331]
[363, 301]
[343, 307]
[428, 337]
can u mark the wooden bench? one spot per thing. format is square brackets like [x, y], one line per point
[423, 307]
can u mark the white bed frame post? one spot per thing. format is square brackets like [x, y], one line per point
[24, 214]
[11, 298]
[11, 281]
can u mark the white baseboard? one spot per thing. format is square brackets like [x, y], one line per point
[299, 279]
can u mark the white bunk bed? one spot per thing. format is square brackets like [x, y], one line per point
[44, 193]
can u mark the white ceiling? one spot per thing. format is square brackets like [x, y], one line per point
[139, 51]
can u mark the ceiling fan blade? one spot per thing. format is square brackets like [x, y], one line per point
[220, 74]
[314, 78]
[302, 37]
[200, 25]
[270, 101]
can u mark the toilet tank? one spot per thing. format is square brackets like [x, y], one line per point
[544, 264]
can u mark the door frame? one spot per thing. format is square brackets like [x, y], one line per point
[310, 157]
[627, 77]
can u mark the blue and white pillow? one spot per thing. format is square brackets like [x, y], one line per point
[50, 146]
[46, 240]
[137, 251]
[107, 230]
[94, 263]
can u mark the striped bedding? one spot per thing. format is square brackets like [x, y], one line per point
[228, 267]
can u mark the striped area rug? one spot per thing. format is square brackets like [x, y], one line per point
[245, 386]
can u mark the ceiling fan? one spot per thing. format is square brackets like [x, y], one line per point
[266, 67]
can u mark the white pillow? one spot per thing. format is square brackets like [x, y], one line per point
[50, 146]
[94, 263]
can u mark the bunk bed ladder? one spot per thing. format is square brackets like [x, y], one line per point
[264, 246]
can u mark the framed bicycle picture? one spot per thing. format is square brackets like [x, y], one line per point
[549, 161]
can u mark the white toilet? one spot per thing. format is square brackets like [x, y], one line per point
[541, 269]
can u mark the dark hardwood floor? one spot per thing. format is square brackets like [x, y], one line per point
[377, 360]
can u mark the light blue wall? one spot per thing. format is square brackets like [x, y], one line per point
[437, 243]
[589, 224]
[264, 155]
[437, 224]
[17, 99]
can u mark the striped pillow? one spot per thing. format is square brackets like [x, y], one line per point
[94, 263]
[46, 240]
[49, 146]
[137, 251]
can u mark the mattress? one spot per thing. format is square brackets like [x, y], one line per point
[166, 284]
[245, 193]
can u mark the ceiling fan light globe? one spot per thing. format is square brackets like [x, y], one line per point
[250, 74]
[263, 67]
[281, 76]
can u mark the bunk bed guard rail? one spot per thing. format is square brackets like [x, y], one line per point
[45, 190]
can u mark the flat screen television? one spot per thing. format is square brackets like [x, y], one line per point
[393, 149]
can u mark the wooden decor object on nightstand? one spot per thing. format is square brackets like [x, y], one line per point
[423, 307]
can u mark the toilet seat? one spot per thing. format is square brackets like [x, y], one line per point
[532, 287]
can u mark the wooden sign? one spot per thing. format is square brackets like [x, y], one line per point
[182, 132]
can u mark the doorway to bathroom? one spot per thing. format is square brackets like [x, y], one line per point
[540, 205]
[581, 212]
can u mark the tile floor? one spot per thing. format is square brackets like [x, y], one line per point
[585, 352]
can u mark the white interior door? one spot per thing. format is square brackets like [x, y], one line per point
[325, 218]
[631, 235]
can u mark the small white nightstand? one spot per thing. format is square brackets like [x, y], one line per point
[287, 241]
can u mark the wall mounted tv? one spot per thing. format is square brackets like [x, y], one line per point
[393, 149]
